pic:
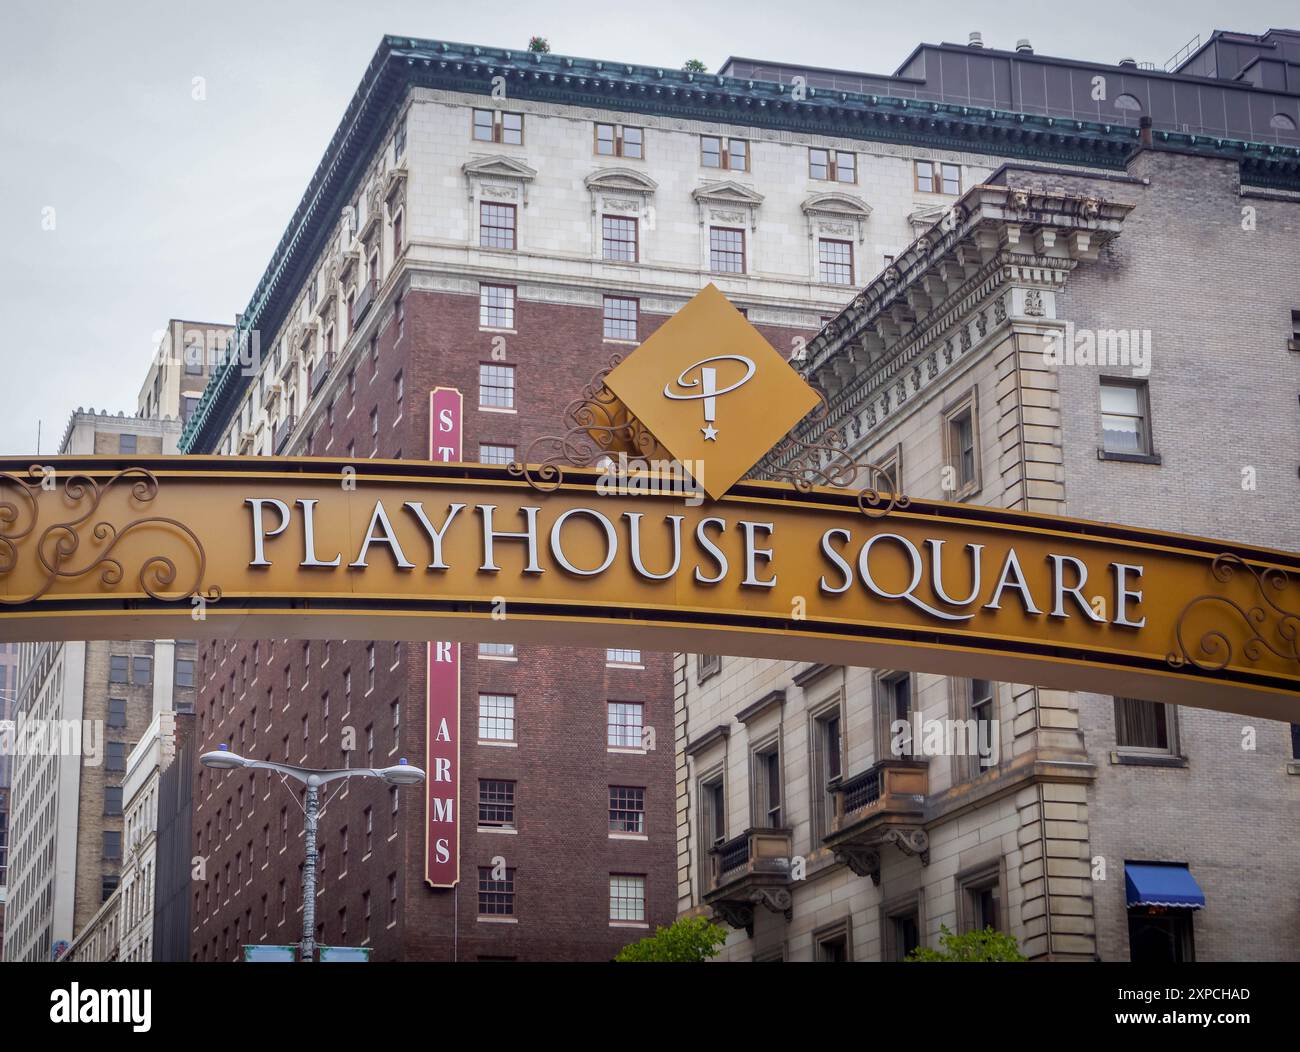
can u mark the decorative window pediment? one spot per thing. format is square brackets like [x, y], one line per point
[504, 178]
[834, 214]
[925, 217]
[727, 202]
[620, 190]
[395, 188]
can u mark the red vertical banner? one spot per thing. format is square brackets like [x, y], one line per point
[442, 691]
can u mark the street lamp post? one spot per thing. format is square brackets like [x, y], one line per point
[402, 773]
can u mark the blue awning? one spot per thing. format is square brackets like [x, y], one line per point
[1149, 884]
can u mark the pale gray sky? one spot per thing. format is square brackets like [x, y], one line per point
[169, 207]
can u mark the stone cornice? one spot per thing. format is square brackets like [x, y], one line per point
[1026, 229]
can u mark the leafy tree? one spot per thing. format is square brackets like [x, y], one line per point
[986, 945]
[694, 65]
[688, 939]
[539, 44]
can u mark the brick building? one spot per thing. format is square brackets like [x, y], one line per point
[501, 223]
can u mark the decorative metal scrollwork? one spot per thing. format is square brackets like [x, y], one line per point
[827, 461]
[1215, 645]
[59, 543]
[598, 425]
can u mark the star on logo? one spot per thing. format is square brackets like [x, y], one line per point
[710, 433]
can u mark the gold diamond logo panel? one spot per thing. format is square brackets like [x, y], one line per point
[712, 391]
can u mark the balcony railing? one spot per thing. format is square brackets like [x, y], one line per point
[365, 299]
[748, 870]
[884, 804]
[282, 432]
[895, 787]
[319, 372]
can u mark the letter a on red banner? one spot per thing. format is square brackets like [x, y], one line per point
[442, 692]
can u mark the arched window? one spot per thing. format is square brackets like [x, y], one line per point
[1128, 102]
[1281, 122]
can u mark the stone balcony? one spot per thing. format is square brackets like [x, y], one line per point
[750, 870]
[885, 804]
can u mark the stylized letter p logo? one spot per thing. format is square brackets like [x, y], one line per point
[705, 378]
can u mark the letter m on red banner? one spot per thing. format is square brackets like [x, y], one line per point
[442, 692]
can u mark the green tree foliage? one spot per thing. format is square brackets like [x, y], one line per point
[688, 939]
[986, 945]
[539, 44]
[694, 65]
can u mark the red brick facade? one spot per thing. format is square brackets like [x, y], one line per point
[562, 854]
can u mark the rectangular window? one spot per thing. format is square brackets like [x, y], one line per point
[936, 177]
[626, 809]
[827, 767]
[618, 239]
[624, 724]
[498, 126]
[622, 657]
[765, 785]
[496, 386]
[126, 443]
[496, 307]
[370, 667]
[835, 262]
[896, 700]
[618, 140]
[108, 885]
[496, 898]
[620, 318]
[184, 672]
[1144, 726]
[707, 665]
[712, 824]
[496, 650]
[491, 454]
[116, 712]
[981, 900]
[950, 176]
[726, 250]
[496, 717]
[626, 898]
[115, 756]
[496, 225]
[833, 943]
[961, 440]
[719, 152]
[837, 166]
[112, 799]
[1124, 417]
[118, 664]
[496, 803]
[983, 710]
[142, 671]
[112, 844]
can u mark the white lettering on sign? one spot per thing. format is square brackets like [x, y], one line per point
[929, 581]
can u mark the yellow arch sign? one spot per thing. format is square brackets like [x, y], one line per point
[198, 547]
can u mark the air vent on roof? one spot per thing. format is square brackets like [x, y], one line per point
[1024, 46]
[976, 40]
[1128, 62]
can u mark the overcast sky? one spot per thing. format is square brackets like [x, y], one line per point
[167, 206]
